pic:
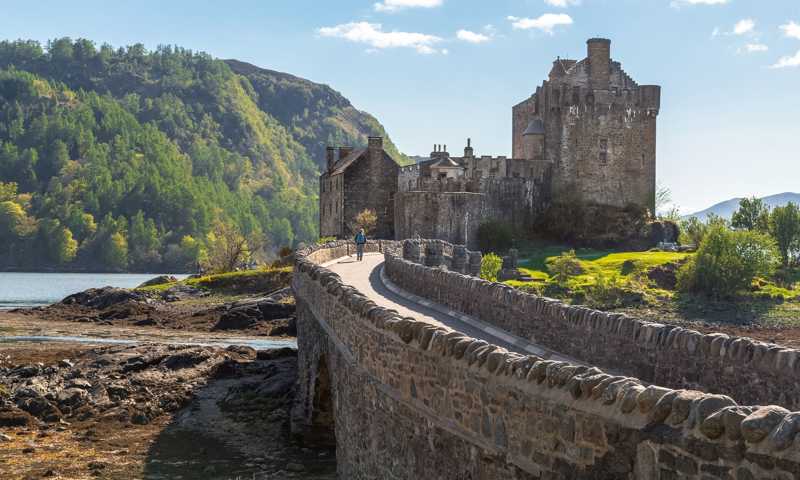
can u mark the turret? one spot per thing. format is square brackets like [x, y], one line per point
[533, 140]
[599, 56]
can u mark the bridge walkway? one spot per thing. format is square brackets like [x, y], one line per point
[367, 276]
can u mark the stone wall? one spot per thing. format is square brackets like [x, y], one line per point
[412, 400]
[453, 210]
[747, 370]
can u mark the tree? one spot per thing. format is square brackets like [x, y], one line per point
[367, 219]
[692, 231]
[752, 214]
[727, 262]
[490, 266]
[663, 197]
[227, 248]
[785, 229]
[564, 267]
[114, 253]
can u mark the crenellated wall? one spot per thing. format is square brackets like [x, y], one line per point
[752, 372]
[410, 400]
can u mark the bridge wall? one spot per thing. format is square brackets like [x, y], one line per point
[412, 400]
[752, 372]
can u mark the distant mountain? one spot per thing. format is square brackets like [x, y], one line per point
[725, 209]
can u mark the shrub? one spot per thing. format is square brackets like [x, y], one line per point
[490, 266]
[727, 262]
[563, 267]
[495, 236]
[607, 291]
[324, 240]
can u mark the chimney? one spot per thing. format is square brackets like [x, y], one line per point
[599, 55]
[468, 151]
[344, 151]
[330, 156]
[376, 143]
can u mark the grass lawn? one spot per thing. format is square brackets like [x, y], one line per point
[769, 305]
[533, 262]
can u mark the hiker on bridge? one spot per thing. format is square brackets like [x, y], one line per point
[361, 240]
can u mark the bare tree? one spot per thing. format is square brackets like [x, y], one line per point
[227, 248]
[366, 219]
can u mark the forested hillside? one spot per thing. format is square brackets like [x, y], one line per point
[126, 159]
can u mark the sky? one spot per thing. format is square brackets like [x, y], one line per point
[439, 71]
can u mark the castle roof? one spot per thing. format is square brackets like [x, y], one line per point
[446, 162]
[343, 163]
[536, 127]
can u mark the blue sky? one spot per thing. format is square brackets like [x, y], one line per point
[438, 71]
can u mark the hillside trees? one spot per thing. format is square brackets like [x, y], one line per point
[166, 143]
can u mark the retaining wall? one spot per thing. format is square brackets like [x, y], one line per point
[412, 400]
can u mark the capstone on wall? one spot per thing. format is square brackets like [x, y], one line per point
[415, 400]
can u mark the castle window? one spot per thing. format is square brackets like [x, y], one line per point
[603, 151]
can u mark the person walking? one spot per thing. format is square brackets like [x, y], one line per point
[361, 240]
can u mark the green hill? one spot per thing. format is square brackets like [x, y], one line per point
[126, 159]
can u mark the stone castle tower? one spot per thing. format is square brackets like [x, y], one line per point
[596, 126]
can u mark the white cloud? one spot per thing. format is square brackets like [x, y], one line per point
[546, 23]
[744, 26]
[788, 61]
[680, 3]
[472, 37]
[372, 34]
[754, 48]
[791, 30]
[562, 3]
[395, 5]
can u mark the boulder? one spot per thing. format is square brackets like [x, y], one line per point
[271, 310]
[105, 297]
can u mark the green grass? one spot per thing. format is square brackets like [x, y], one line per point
[248, 281]
[533, 262]
[770, 304]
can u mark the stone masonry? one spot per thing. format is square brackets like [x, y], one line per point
[414, 400]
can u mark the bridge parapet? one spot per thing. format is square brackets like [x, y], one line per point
[750, 371]
[413, 400]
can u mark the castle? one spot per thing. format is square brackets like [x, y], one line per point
[588, 134]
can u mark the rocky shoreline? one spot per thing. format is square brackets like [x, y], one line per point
[128, 411]
[180, 307]
[156, 405]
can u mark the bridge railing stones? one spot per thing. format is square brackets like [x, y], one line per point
[416, 400]
[439, 253]
[745, 369]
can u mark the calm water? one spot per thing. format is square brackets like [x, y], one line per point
[35, 289]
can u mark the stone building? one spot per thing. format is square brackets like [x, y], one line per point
[587, 134]
[355, 180]
[598, 130]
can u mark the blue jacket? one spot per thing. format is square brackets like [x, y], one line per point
[361, 238]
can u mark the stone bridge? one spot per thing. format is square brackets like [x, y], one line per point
[421, 372]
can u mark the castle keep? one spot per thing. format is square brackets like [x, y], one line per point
[588, 134]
